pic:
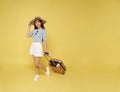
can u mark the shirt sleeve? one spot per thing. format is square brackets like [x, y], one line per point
[44, 35]
[31, 33]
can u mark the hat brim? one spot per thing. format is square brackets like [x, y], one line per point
[37, 18]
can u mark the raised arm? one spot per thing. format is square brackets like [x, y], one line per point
[28, 32]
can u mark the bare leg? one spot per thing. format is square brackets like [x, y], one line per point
[38, 65]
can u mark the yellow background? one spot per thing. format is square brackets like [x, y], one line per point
[85, 34]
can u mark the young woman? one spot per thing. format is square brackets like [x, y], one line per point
[36, 49]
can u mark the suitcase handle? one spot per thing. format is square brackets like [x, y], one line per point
[48, 56]
[46, 53]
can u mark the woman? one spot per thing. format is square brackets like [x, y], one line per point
[39, 37]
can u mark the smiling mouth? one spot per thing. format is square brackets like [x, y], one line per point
[38, 26]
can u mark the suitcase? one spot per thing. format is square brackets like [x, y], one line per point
[56, 65]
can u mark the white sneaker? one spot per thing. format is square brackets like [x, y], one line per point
[36, 78]
[47, 71]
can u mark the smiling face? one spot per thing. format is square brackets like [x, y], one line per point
[38, 23]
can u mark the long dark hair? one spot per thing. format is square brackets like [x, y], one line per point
[42, 24]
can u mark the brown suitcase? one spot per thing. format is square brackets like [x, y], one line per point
[56, 65]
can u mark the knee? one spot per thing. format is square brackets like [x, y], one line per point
[37, 65]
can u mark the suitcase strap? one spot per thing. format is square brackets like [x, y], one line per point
[48, 57]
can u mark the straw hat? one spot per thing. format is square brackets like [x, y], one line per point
[37, 18]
